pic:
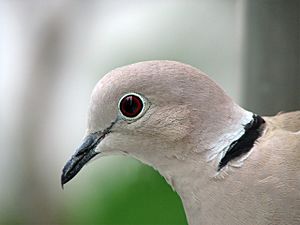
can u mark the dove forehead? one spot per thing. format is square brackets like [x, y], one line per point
[161, 82]
[151, 77]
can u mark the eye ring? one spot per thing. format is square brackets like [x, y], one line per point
[132, 106]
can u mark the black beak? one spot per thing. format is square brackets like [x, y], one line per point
[83, 154]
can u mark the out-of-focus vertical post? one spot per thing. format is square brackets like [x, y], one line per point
[272, 56]
[35, 204]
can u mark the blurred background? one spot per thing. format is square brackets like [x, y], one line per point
[52, 53]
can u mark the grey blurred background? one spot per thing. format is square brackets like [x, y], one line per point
[52, 53]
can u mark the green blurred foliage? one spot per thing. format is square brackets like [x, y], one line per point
[121, 190]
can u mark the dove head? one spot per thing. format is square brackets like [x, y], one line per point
[160, 112]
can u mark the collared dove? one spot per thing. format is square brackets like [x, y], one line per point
[228, 165]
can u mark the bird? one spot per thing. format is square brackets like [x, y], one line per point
[228, 165]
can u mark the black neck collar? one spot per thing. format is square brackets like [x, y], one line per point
[241, 146]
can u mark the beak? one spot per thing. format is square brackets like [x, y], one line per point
[83, 154]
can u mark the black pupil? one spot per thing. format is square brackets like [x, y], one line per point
[131, 106]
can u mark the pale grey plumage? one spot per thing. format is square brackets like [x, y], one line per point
[185, 132]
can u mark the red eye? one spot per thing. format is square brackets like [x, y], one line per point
[131, 105]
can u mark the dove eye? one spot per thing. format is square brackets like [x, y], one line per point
[131, 105]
